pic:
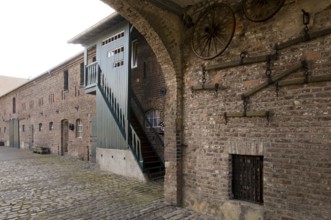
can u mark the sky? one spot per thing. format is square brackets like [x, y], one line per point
[34, 33]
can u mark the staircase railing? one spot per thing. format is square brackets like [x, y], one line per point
[94, 76]
[153, 137]
[91, 74]
[135, 145]
[112, 103]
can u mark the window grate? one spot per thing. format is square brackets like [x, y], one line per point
[247, 178]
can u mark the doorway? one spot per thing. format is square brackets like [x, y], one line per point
[14, 135]
[64, 137]
[31, 137]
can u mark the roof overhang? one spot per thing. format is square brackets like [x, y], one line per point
[86, 36]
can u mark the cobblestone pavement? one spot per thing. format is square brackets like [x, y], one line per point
[36, 186]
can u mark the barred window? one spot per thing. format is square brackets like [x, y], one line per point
[247, 178]
[153, 117]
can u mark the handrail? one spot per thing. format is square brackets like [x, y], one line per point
[112, 103]
[136, 100]
[91, 75]
[135, 145]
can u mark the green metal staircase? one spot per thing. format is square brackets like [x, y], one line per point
[139, 142]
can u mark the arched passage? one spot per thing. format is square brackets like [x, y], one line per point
[162, 32]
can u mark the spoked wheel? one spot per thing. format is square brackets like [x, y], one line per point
[261, 10]
[213, 31]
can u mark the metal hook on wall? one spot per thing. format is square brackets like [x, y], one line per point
[306, 21]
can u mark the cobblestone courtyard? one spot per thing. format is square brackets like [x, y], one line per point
[36, 186]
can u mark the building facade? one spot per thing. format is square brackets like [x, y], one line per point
[245, 138]
[51, 110]
[130, 94]
[247, 131]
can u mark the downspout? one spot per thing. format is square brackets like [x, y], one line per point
[129, 81]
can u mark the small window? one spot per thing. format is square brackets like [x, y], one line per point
[40, 126]
[23, 128]
[41, 101]
[51, 126]
[65, 80]
[152, 119]
[14, 105]
[51, 98]
[4, 130]
[79, 128]
[118, 63]
[247, 178]
[23, 106]
[82, 67]
[134, 54]
[113, 38]
[31, 104]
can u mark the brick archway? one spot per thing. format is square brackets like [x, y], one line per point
[165, 38]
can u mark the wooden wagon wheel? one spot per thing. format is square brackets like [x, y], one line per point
[261, 10]
[213, 31]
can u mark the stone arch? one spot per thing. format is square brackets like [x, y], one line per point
[165, 39]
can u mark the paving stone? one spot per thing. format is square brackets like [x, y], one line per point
[51, 187]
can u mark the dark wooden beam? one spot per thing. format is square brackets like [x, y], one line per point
[300, 39]
[274, 79]
[301, 80]
[241, 62]
[214, 87]
[248, 114]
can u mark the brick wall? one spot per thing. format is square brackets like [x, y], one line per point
[294, 144]
[43, 100]
[147, 83]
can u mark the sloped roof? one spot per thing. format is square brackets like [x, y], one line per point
[8, 83]
[85, 36]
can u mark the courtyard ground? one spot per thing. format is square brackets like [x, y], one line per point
[34, 186]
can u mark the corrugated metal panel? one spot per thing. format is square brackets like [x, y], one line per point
[112, 56]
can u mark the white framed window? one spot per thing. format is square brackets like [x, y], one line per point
[153, 117]
[79, 128]
[134, 53]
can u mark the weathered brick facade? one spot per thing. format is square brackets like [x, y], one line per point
[200, 140]
[43, 101]
[295, 143]
[148, 84]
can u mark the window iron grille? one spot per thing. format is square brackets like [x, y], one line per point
[247, 178]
